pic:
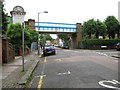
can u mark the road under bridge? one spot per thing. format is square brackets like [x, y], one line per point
[57, 28]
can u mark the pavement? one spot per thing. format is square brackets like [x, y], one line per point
[116, 56]
[13, 75]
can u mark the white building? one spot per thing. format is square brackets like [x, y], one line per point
[119, 11]
[60, 44]
[18, 14]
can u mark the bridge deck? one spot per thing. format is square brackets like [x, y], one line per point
[54, 28]
[50, 32]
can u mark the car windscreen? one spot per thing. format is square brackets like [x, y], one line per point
[47, 47]
[118, 43]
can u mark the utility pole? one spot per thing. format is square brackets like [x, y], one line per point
[23, 46]
[38, 35]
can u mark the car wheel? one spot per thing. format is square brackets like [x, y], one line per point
[118, 49]
[54, 53]
[44, 54]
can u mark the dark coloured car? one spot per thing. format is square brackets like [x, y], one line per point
[118, 46]
[49, 49]
[65, 47]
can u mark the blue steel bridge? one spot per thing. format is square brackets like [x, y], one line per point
[55, 28]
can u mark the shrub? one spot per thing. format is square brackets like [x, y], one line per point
[92, 42]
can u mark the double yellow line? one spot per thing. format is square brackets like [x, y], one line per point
[40, 83]
[45, 60]
[41, 78]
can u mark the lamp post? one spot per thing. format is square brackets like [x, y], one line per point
[38, 29]
[23, 46]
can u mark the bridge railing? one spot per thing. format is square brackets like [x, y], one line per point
[57, 27]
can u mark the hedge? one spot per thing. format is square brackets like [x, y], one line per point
[90, 42]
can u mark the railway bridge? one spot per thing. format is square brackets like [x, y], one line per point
[72, 30]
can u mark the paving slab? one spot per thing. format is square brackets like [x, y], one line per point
[12, 72]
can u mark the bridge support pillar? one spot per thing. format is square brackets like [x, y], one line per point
[74, 38]
[71, 42]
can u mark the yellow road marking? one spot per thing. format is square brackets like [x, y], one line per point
[45, 60]
[41, 78]
[40, 83]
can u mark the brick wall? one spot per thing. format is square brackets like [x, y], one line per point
[8, 53]
[25, 52]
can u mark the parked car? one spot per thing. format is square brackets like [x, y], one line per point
[48, 49]
[65, 46]
[118, 46]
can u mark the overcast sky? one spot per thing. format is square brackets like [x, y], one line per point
[65, 11]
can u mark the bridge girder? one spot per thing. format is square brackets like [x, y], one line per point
[49, 32]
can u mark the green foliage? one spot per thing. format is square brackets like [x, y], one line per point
[112, 26]
[5, 21]
[64, 37]
[89, 27]
[90, 42]
[93, 27]
[32, 36]
[42, 40]
[100, 29]
[45, 37]
[48, 37]
[15, 36]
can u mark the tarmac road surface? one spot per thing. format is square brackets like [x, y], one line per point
[75, 69]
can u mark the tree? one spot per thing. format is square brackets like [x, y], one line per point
[97, 28]
[112, 26]
[48, 37]
[33, 36]
[64, 37]
[15, 36]
[42, 40]
[5, 21]
[100, 29]
[88, 28]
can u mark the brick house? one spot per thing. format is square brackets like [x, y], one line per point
[30, 23]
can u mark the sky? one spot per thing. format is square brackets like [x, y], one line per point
[65, 11]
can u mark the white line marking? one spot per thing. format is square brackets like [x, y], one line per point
[116, 81]
[44, 75]
[116, 60]
[108, 86]
[66, 73]
[58, 60]
[37, 76]
[69, 72]
[41, 75]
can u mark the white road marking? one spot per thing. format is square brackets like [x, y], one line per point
[37, 76]
[42, 75]
[102, 53]
[116, 81]
[66, 73]
[108, 86]
[116, 60]
[58, 60]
